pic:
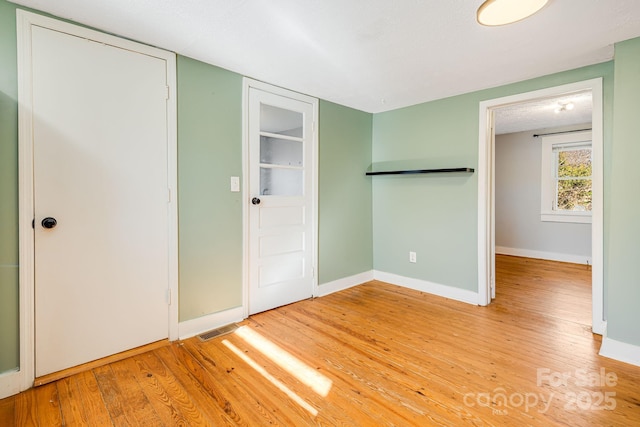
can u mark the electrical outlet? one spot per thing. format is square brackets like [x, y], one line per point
[412, 257]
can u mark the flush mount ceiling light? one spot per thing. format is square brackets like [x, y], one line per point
[564, 107]
[502, 12]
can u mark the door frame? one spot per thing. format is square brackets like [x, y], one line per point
[25, 20]
[248, 84]
[486, 190]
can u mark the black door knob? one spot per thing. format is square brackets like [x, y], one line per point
[255, 201]
[49, 222]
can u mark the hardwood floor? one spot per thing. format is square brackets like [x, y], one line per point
[555, 289]
[372, 355]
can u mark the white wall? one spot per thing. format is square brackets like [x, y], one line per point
[519, 230]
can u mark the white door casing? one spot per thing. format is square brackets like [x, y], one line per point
[97, 152]
[281, 203]
[486, 190]
[491, 156]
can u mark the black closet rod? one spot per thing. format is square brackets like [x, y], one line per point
[536, 135]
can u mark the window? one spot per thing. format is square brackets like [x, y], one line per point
[566, 178]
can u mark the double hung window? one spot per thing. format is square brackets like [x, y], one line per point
[566, 178]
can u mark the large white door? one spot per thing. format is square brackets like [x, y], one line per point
[100, 171]
[281, 199]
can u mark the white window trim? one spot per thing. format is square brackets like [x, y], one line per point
[548, 183]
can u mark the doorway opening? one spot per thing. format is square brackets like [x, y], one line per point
[487, 188]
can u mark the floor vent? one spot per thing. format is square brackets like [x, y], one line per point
[206, 336]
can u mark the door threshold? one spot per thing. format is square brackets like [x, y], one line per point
[55, 376]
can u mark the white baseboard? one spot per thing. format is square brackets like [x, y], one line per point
[621, 351]
[344, 283]
[551, 256]
[10, 383]
[193, 327]
[445, 291]
[598, 326]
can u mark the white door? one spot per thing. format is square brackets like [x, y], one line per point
[100, 171]
[281, 199]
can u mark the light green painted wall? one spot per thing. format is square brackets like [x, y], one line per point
[345, 214]
[623, 274]
[9, 344]
[210, 215]
[436, 215]
[210, 151]
[432, 215]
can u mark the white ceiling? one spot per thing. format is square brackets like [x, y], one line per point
[541, 114]
[373, 55]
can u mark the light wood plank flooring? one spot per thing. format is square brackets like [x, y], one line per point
[372, 355]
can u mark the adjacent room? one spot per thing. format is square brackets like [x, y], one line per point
[319, 213]
[543, 211]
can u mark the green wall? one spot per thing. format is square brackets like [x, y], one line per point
[345, 214]
[9, 348]
[364, 222]
[432, 215]
[436, 215]
[210, 215]
[623, 274]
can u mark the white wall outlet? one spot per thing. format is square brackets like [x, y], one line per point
[235, 184]
[412, 257]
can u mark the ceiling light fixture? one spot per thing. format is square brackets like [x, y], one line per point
[564, 107]
[502, 12]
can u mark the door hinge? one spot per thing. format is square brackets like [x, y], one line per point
[167, 92]
[168, 296]
[168, 195]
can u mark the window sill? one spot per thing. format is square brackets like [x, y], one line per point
[576, 217]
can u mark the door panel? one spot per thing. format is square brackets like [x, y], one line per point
[280, 216]
[282, 243]
[281, 221]
[286, 267]
[100, 168]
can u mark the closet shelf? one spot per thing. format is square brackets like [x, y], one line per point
[417, 171]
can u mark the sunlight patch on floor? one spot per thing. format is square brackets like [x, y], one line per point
[294, 366]
[249, 361]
